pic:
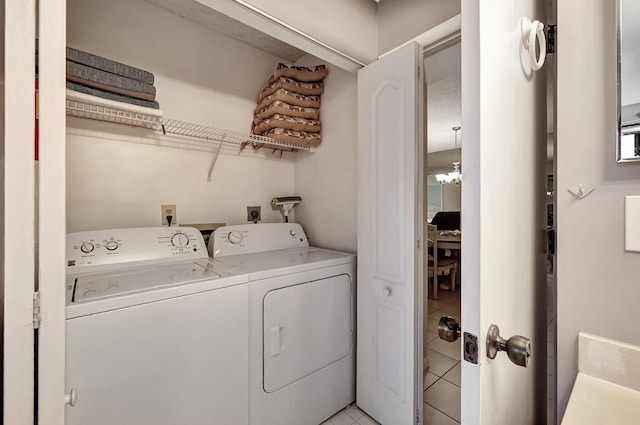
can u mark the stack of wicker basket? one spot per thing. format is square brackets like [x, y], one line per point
[288, 108]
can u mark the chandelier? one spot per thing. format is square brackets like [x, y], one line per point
[455, 176]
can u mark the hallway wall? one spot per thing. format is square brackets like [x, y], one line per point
[402, 20]
[598, 284]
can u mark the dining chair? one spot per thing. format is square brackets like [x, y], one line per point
[437, 264]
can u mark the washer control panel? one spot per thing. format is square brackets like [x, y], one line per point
[105, 249]
[250, 238]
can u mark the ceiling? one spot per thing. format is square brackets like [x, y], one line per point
[444, 98]
[219, 22]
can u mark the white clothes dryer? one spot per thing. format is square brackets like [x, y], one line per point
[301, 321]
[156, 332]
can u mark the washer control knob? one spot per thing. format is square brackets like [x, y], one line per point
[89, 292]
[235, 237]
[111, 245]
[180, 240]
[292, 232]
[86, 247]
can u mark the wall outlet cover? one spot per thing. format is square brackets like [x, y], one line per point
[166, 210]
[253, 214]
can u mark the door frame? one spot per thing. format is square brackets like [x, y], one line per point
[18, 211]
[51, 212]
[440, 35]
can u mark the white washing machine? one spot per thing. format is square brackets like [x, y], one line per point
[301, 322]
[156, 332]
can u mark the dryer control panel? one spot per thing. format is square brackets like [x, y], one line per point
[99, 250]
[251, 238]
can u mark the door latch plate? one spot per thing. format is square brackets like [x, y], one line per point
[470, 348]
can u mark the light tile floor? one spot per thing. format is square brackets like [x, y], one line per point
[351, 415]
[442, 379]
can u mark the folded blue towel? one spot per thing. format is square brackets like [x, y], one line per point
[109, 65]
[111, 96]
[107, 81]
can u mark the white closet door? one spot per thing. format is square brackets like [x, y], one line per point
[390, 163]
[18, 209]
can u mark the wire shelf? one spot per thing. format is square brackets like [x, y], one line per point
[107, 113]
[122, 115]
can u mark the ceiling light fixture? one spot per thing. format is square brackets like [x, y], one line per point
[455, 176]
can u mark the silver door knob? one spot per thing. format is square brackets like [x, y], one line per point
[518, 348]
[448, 329]
[71, 397]
[386, 292]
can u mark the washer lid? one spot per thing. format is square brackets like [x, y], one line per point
[268, 264]
[94, 286]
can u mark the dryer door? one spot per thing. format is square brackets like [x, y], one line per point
[305, 328]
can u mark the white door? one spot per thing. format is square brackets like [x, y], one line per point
[389, 350]
[503, 211]
[503, 223]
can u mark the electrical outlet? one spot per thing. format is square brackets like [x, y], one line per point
[253, 214]
[168, 210]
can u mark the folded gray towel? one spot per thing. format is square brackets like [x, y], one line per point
[109, 82]
[108, 65]
[111, 96]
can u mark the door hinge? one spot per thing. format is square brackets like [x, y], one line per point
[551, 39]
[418, 243]
[36, 310]
[417, 416]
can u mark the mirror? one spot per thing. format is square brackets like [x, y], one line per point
[628, 80]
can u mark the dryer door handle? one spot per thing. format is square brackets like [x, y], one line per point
[275, 346]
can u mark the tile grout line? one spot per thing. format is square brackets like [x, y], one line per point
[450, 417]
[448, 370]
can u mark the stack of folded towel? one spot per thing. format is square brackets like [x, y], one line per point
[289, 107]
[98, 76]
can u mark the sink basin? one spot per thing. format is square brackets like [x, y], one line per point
[607, 388]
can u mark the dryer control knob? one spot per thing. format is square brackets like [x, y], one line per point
[292, 232]
[111, 245]
[235, 237]
[86, 247]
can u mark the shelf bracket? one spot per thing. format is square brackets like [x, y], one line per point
[214, 159]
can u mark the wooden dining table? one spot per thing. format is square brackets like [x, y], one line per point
[448, 240]
[452, 242]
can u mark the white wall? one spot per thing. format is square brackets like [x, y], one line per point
[402, 20]
[349, 26]
[326, 179]
[113, 184]
[598, 285]
[201, 77]
[451, 197]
